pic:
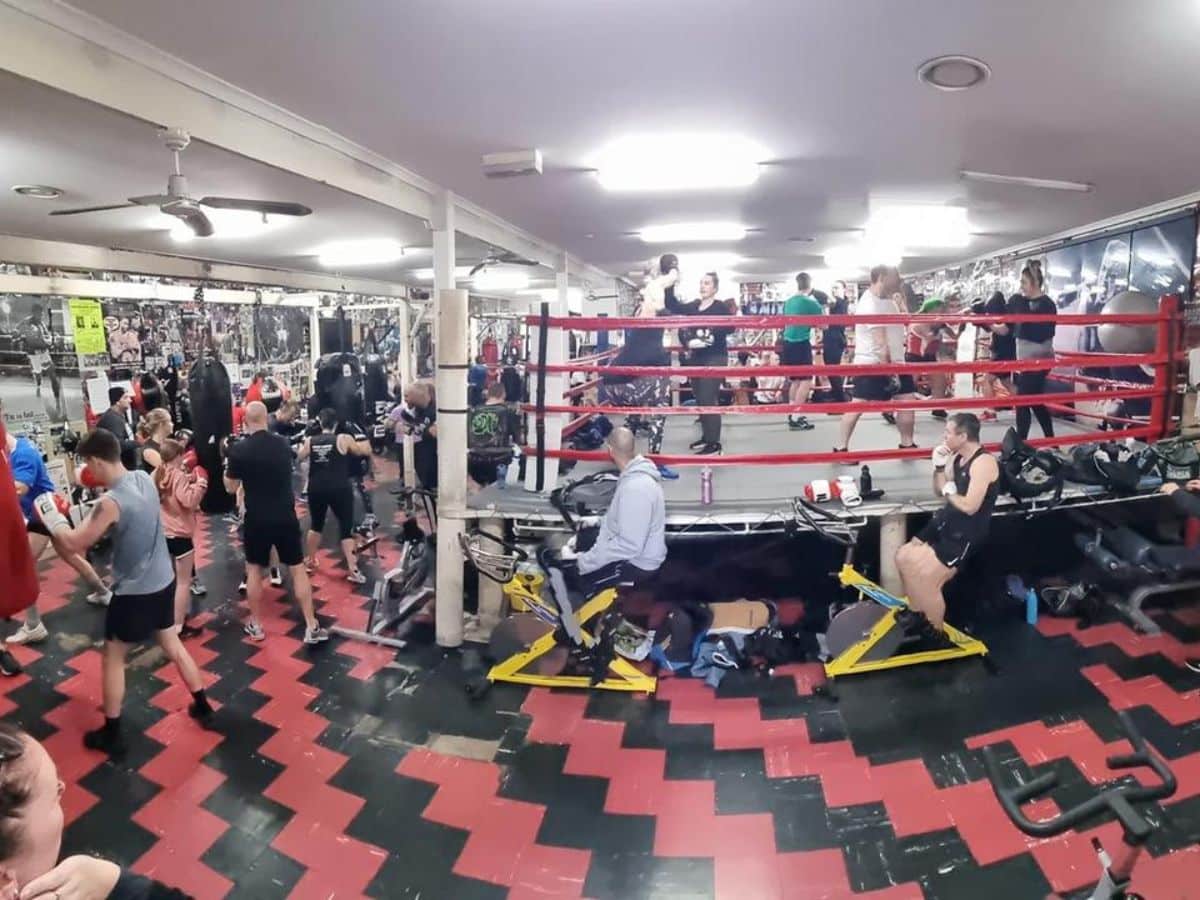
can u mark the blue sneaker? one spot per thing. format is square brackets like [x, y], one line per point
[668, 474]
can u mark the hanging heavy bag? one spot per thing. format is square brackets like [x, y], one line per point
[212, 422]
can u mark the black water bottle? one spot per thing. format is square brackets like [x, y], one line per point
[864, 482]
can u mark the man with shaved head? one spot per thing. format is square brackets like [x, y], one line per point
[631, 544]
[261, 465]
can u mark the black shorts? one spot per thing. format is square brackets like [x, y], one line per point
[342, 504]
[136, 618]
[35, 526]
[796, 353]
[179, 546]
[878, 388]
[282, 535]
[951, 546]
[920, 357]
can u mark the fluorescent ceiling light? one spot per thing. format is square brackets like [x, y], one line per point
[678, 162]
[695, 264]
[461, 273]
[926, 226]
[550, 295]
[228, 224]
[367, 252]
[1059, 272]
[684, 232]
[499, 280]
[1048, 184]
[857, 258]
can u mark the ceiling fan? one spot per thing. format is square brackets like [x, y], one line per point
[176, 202]
[502, 258]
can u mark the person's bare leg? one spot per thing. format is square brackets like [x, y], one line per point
[905, 421]
[173, 647]
[113, 677]
[924, 576]
[849, 421]
[311, 542]
[183, 587]
[803, 391]
[348, 547]
[254, 589]
[302, 588]
[80, 565]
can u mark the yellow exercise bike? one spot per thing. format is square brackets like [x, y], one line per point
[552, 635]
[866, 636]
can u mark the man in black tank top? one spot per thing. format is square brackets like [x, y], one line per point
[330, 488]
[968, 477]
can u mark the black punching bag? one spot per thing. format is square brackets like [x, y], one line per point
[375, 384]
[339, 386]
[211, 402]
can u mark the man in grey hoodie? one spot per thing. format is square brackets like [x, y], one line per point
[632, 540]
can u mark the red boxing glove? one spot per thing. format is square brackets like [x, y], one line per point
[63, 506]
[87, 479]
[190, 460]
[201, 473]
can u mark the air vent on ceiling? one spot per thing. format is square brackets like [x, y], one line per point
[954, 72]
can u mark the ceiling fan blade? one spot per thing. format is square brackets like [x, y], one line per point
[200, 224]
[267, 207]
[152, 200]
[477, 267]
[88, 209]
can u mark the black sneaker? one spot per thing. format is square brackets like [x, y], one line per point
[800, 424]
[709, 450]
[938, 413]
[696, 445]
[1193, 664]
[105, 741]
[890, 418]
[9, 665]
[187, 631]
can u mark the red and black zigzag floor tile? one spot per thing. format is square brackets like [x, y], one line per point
[320, 778]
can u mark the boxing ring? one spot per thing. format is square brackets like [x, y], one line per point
[764, 463]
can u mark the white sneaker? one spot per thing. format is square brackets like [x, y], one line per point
[254, 631]
[315, 635]
[276, 577]
[100, 598]
[198, 590]
[27, 635]
[356, 578]
[242, 587]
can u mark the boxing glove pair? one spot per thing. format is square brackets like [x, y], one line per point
[844, 489]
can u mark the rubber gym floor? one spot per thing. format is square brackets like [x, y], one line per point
[349, 771]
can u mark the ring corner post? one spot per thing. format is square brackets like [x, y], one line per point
[1165, 372]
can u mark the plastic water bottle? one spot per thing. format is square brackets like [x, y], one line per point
[513, 473]
[502, 476]
[864, 482]
[1031, 606]
[706, 487]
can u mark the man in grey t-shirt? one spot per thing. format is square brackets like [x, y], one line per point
[143, 602]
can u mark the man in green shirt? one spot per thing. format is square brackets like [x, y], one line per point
[797, 347]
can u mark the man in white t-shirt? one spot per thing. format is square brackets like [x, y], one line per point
[880, 345]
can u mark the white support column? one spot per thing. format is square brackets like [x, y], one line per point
[556, 384]
[491, 595]
[406, 378]
[450, 352]
[893, 532]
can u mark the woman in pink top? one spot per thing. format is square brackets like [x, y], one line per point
[181, 485]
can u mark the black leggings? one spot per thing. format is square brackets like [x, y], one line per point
[832, 352]
[707, 392]
[1033, 383]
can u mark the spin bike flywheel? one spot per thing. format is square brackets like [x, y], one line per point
[854, 623]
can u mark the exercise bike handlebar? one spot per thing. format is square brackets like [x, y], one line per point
[1118, 799]
[828, 525]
